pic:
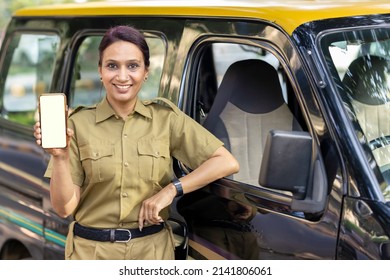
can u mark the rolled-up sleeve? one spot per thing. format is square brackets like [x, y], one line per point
[191, 143]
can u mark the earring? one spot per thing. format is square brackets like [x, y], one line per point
[101, 79]
[146, 78]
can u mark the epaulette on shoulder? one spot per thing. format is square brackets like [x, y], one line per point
[80, 108]
[163, 101]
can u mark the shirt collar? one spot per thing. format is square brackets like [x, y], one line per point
[105, 111]
[141, 109]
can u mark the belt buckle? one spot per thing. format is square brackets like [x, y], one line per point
[124, 241]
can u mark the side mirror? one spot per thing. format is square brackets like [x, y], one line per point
[291, 163]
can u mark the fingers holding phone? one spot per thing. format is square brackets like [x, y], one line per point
[37, 133]
[38, 136]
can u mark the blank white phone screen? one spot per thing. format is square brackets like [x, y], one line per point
[52, 109]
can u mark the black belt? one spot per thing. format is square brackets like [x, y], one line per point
[114, 235]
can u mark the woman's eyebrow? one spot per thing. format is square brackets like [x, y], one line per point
[129, 60]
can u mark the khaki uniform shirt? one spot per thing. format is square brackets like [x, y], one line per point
[119, 163]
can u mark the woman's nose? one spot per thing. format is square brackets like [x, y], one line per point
[123, 74]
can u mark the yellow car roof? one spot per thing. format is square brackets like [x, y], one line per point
[288, 14]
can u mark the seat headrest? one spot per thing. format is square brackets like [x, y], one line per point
[366, 80]
[252, 85]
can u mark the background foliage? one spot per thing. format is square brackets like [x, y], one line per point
[8, 7]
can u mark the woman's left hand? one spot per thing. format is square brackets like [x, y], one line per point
[151, 207]
[220, 164]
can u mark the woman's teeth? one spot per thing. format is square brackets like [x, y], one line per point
[123, 87]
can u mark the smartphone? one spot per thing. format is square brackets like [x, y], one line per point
[53, 118]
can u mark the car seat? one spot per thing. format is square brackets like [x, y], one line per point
[249, 103]
[366, 83]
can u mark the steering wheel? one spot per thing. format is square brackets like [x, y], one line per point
[379, 142]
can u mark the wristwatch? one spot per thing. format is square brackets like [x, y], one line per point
[178, 186]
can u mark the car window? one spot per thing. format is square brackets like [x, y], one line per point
[362, 68]
[242, 94]
[31, 60]
[86, 88]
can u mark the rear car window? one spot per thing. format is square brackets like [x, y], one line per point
[30, 59]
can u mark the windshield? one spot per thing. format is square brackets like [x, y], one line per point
[359, 61]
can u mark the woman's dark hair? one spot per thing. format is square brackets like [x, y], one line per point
[124, 33]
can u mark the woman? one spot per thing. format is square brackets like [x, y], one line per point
[115, 176]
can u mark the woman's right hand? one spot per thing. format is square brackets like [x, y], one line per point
[56, 152]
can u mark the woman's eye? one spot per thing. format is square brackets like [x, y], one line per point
[111, 66]
[133, 66]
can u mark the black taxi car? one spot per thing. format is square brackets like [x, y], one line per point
[298, 92]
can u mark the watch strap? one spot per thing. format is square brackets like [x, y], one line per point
[178, 186]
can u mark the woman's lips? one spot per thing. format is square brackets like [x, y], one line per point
[122, 88]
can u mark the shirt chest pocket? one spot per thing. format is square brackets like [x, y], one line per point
[98, 162]
[153, 159]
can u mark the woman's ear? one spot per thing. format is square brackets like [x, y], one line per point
[146, 75]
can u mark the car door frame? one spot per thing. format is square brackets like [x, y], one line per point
[320, 236]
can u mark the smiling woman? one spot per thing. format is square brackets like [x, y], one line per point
[128, 175]
[296, 91]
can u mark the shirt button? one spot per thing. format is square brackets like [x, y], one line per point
[126, 164]
[96, 154]
[124, 194]
[125, 135]
[157, 153]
